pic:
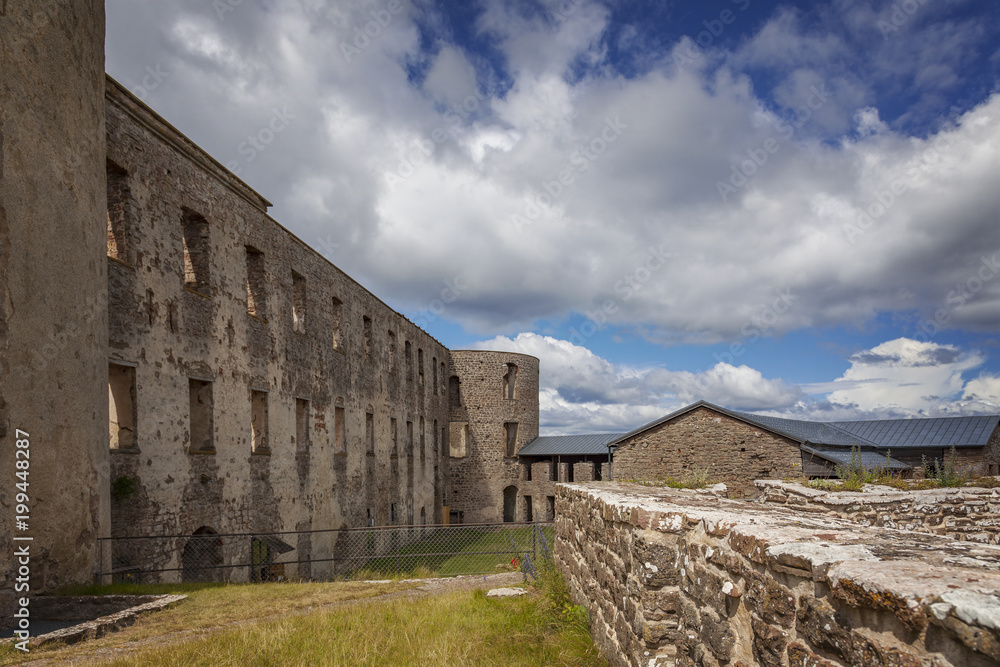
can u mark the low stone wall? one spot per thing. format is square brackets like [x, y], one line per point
[672, 577]
[965, 513]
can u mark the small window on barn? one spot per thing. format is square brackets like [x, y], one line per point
[510, 431]
[299, 301]
[119, 212]
[339, 433]
[121, 406]
[301, 425]
[338, 319]
[258, 422]
[370, 432]
[255, 282]
[197, 246]
[454, 392]
[510, 381]
[367, 331]
[201, 416]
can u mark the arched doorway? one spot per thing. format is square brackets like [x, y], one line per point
[201, 559]
[509, 503]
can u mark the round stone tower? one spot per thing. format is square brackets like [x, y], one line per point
[493, 399]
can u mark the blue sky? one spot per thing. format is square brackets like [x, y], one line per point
[788, 207]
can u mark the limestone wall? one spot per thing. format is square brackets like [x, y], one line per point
[730, 450]
[356, 408]
[675, 577]
[53, 318]
[485, 402]
[964, 513]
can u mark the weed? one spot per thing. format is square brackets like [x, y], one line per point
[945, 474]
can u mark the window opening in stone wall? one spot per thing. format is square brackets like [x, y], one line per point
[255, 282]
[393, 437]
[409, 439]
[370, 432]
[509, 504]
[201, 426]
[510, 430]
[569, 472]
[408, 354]
[392, 351]
[526, 471]
[150, 306]
[196, 252]
[460, 441]
[444, 380]
[173, 319]
[434, 364]
[338, 318]
[435, 450]
[301, 425]
[420, 367]
[392, 513]
[551, 501]
[423, 442]
[528, 515]
[598, 473]
[119, 213]
[454, 392]
[258, 422]
[121, 406]
[510, 381]
[339, 434]
[298, 303]
[423, 516]
[554, 470]
[444, 441]
[366, 328]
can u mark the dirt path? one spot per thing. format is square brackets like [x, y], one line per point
[423, 588]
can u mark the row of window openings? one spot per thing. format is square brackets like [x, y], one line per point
[596, 472]
[122, 416]
[195, 239]
[529, 514]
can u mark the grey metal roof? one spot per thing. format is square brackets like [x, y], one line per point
[869, 458]
[819, 433]
[930, 432]
[569, 445]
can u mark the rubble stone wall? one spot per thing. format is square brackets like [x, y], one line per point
[675, 577]
[964, 513]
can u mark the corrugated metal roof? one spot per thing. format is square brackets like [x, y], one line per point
[569, 445]
[869, 458]
[818, 433]
[930, 432]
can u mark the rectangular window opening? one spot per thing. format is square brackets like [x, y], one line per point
[393, 438]
[298, 303]
[409, 439]
[510, 429]
[255, 282]
[510, 382]
[551, 501]
[339, 435]
[121, 406]
[258, 422]
[118, 212]
[301, 425]
[392, 351]
[526, 471]
[201, 426]
[408, 353]
[367, 329]
[598, 475]
[423, 441]
[528, 514]
[554, 471]
[370, 433]
[338, 318]
[196, 252]
[434, 363]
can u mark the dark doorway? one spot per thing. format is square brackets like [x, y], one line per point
[509, 503]
[201, 559]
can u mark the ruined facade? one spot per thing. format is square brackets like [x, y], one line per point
[186, 366]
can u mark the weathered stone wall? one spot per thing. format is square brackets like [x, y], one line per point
[675, 577]
[730, 450]
[483, 470]
[53, 321]
[965, 513]
[317, 344]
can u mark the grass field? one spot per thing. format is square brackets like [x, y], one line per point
[454, 551]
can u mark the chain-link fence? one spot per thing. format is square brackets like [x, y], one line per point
[349, 553]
